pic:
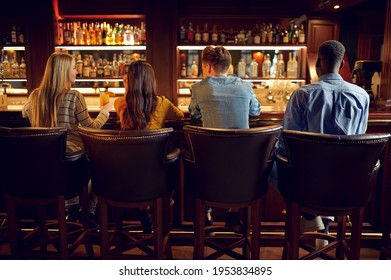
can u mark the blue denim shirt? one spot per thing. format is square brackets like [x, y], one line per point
[223, 102]
[330, 106]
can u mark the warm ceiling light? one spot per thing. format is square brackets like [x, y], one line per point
[336, 7]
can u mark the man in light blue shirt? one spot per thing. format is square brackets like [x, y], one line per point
[330, 106]
[222, 102]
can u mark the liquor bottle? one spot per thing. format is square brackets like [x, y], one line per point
[241, 37]
[109, 35]
[295, 35]
[60, 34]
[115, 66]
[205, 34]
[182, 34]
[91, 34]
[98, 34]
[67, 34]
[230, 70]
[183, 71]
[285, 38]
[106, 68]
[301, 35]
[270, 34]
[136, 35]
[215, 35]
[249, 38]
[84, 32]
[15, 68]
[128, 35]
[190, 34]
[14, 39]
[79, 66]
[143, 34]
[22, 68]
[20, 35]
[263, 34]
[194, 70]
[278, 38]
[241, 68]
[86, 66]
[197, 35]
[78, 34]
[292, 66]
[99, 69]
[257, 36]
[93, 71]
[104, 32]
[253, 69]
[280, 66]
[230, 36]
[266, 65]
[222, 36]
[6, 67]
[120, 35]
[273, 68]
[121, 66]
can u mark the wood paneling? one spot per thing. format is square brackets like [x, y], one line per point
[320, 30]
[100, 7]
[385, 86]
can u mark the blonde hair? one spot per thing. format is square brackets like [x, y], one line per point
[46, 98]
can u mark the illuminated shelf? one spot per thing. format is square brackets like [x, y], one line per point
[14, 80]
[254, 80]
[102, 79]
[103, 48]
[245, 47]
[14, 48]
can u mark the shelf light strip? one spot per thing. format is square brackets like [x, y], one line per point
[99, 80]
[14, 48]
[15, 80]
[249, 80]
[103, 48]
[239, 48]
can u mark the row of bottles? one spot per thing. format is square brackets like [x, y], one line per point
[12, 69]
[15, 37]
[276, 68]
[77, 33]
[261, 34]
[88, 67]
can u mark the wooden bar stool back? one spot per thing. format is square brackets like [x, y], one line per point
[327, 175]
[229, 168]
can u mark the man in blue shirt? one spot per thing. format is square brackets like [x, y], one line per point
[330, 106]
[222, 102]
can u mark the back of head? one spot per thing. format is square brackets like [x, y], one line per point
[55, 81]
[218, 57]
[140, 95]
[331, 52]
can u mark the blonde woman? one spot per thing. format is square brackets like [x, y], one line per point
[55, 104]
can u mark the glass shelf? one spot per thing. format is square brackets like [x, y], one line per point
[103, 48]
[245, 47]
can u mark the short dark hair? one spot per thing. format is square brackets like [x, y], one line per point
[218, 56]
[332, 51]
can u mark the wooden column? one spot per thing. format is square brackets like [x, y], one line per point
[385, 86]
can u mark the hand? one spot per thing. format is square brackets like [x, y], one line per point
[107, 107]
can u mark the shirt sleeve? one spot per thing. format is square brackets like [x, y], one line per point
[173, 113]
[194, 109]
[83, 117]
[255, 106]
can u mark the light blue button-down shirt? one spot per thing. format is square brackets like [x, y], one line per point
[330, 106]
[223, 102]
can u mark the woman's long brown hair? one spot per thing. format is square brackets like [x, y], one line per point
[141, 97]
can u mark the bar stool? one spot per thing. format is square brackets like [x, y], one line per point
[129, 169]
[37, 174]
[229, 168]
[327, 175]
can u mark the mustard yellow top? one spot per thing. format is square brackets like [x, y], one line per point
[165, 110]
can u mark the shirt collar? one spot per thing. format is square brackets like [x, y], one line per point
[330, 76]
